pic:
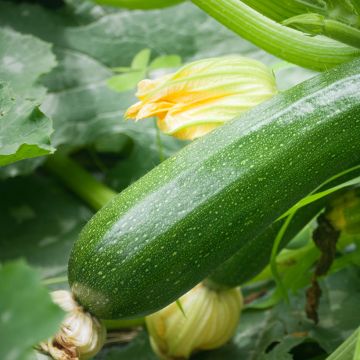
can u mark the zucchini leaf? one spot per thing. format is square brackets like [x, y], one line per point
[81, 105]
[24, 129]
[39, 222]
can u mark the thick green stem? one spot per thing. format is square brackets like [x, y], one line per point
[82, 183]
[316, 24]
[283, 9]
[318, 53]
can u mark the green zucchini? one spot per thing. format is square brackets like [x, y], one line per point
[242, 267]
[174, 226]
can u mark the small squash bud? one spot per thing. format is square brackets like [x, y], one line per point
[208, 321]
[81, 335]
[203, 95]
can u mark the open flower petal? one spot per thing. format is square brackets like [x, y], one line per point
[203, 95]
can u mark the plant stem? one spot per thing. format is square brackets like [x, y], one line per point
[82, 183]
[316, 24]
[283, 9]
[318, 53]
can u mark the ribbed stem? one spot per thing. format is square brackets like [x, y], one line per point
[283, 9]
[342, 32]
[82, 183]
[316, 24]
[318, 53]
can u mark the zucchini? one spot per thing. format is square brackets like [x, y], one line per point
[240, 268]
[170, 229]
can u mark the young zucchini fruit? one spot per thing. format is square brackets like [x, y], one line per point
[173, 227]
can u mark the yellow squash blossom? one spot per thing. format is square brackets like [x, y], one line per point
[203, 95]
[208, 321]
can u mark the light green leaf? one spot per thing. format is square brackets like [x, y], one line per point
[127, 81]
[122, 69]
[141, 60]
[27, 314]
[165, 61]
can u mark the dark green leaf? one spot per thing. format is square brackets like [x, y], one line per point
[39, 221]
[138, 349]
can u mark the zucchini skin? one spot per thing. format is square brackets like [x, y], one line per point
[243, 266]
[170, 229]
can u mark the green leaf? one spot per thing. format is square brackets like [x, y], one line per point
[165, 61]
[27, 314]
[39, 221]
[141, 60]
[80, 104]
[127, 81]
[23, 59]
[24, 129]
[138, 349]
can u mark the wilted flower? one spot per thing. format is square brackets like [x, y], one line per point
[209, 320]
[81, 335]
[203, 95]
